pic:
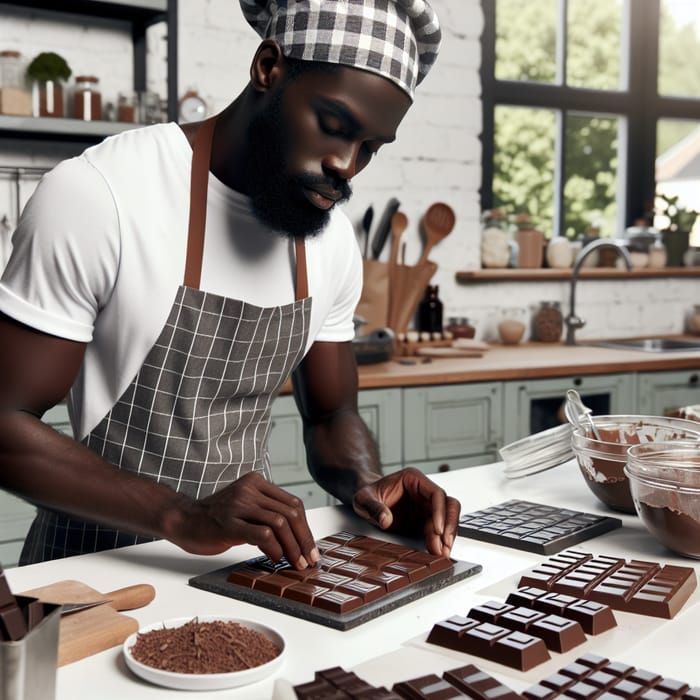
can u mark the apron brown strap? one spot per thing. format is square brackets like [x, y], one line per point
[199, 184]
[302, 285]
[201, 157]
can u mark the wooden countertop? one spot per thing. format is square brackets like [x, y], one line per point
[525, 361]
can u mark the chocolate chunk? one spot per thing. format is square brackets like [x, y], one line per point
[640, 587]
[429, 687]
[479, 685]
[533, 527]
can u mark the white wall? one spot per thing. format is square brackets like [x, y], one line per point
[436, 157]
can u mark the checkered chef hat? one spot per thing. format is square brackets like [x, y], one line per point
[398, 39]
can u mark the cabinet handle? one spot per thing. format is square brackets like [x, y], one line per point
[693, 379]
[444, 468]
[578, 381]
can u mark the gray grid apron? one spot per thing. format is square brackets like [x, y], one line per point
[197, 414]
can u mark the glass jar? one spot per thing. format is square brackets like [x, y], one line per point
[694, 320]
[15, 98]
[548, 322]
[87, 100]
[460, 328]
[127, 107]
[11, 73]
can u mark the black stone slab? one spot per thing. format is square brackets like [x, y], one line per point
[534, 527]
[358, 579]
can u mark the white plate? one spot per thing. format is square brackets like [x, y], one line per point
[204, 681]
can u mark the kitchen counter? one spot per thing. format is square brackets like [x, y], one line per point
[524, 361]
[391, 647]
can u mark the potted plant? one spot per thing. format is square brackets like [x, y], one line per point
[47, 72]
[676, 235]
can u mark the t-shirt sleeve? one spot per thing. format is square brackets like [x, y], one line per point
[347, 286]
[65, 253]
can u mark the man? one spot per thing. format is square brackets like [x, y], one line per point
[171, 344]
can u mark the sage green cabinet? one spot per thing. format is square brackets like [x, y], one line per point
[663, 393]
[533, 405]
[457, 420]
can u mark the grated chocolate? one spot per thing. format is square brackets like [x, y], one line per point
[204, 647]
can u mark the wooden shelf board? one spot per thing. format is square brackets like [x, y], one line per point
[540, 275]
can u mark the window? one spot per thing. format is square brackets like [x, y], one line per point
[590, 108]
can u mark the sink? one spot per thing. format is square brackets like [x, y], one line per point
[650, 344]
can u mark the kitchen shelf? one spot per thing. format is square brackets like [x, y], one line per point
[137, 11]
[54, 128]
[139, 14]
[546, 274]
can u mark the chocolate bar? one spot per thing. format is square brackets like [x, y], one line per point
[357, 579]
[521, 631]
[589, 677]
[533, 527]
[641, 587]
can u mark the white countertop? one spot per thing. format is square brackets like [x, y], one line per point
[391, 647]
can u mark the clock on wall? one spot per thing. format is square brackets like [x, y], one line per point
[192, 107]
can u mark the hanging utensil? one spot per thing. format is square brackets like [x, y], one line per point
[399, 223]
[438, 223]
[384, 227]
[578, 414]
[366, 228]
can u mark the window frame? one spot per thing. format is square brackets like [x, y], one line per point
[639, 106]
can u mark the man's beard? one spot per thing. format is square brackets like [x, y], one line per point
[277, 198]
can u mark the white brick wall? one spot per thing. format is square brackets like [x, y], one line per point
[436, 157]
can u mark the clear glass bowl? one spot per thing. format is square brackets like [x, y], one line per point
[664, 480]
[602, 461]
[537, 452]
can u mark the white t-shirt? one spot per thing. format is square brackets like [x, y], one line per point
[100, 252]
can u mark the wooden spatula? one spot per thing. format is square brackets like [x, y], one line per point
[399, 223]
[438, 223]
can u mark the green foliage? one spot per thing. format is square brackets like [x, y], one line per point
[524, 138]
[48, 66]
[680, 218]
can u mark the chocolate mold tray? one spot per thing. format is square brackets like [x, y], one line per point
[533, 527]
[357, 579]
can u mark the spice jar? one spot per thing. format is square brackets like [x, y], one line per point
[14, 97]
[127, 107]
[694, 320]
[87, 100]
[460, 328]
[495, 241]
[548, 322]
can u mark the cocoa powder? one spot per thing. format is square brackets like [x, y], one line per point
[204, 647]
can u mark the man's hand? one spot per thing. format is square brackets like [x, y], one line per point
[410, 503]
[254, 511]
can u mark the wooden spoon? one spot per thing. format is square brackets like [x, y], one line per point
[438, 223]
[399, 223]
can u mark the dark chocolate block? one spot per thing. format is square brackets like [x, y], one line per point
[533, 527]
[479, 685]
[357, 579]
[489, 641]
[589, 677]
[646, 588]
[593, 617]
[429, 687]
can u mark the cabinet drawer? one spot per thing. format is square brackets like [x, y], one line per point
[379, 409]
[663, 393]
[452, 421]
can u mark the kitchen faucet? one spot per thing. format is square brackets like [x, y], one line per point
[572, 321]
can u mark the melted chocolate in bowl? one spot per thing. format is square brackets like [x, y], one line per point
[615, 490]
[675, 530]
[602, 462]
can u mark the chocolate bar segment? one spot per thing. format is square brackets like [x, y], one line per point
[534, 527]
[593, 617]
[490, 641]
[357, 579]
[13, 625]
[474, 683]
[645, 588]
